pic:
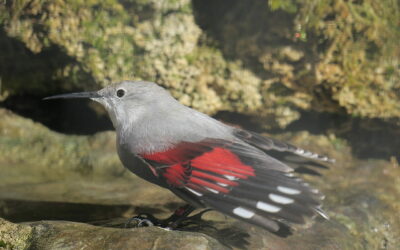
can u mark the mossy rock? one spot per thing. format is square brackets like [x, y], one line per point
[269, 60]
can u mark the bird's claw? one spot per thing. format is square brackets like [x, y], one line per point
[196, 220]
[142, 220]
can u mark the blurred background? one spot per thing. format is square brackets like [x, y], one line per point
[324, 75]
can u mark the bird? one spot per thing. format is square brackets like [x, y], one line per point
[206, 162]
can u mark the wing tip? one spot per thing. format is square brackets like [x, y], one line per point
[311, 155]
[321, 213]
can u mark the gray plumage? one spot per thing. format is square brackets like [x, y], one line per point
[182, 149]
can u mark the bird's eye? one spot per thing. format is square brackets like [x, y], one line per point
[120, 93]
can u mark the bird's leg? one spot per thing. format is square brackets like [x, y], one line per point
[193, 220]
[178, 216]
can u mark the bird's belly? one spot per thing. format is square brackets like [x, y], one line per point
[138, 167]
[141, 169]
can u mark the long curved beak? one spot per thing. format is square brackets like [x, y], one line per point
[92, 94]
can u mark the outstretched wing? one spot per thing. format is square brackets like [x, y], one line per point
[237, 179]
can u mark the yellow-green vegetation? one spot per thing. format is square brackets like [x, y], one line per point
[28, 145]
[358, 49]
[268, 59]
[103, 41]
[13, 236]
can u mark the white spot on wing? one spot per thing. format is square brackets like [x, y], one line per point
[212, 190]
[222, 184]
[315, 191]
[289, 174]
[280, 199]
[268, 207]
[322, 213]
[194, 192]
[307, 154]
[231, 178]
[244, 213]
[299, 151]
[287, 190]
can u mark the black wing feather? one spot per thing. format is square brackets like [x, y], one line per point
[270, 144]
[266, 197]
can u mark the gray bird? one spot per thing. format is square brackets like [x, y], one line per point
[205, 162]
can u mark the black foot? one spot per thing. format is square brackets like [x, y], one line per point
[142, 220]
[195, 222]
[178, 219]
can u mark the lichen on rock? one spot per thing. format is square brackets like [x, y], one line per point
[14, 236]
[288, 61]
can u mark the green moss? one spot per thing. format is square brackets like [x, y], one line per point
[361, 38]
[3, 244]
[62, 154]
[14, 236]
[324, 55]
[286, 5]
[357, 43]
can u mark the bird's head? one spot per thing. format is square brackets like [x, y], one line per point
[127, 100]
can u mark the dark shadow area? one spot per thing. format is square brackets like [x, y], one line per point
[18, 63]
[23, 210]
[76, 116]
[231, 27]
[26, 210]
[240, 120]
[368, 138]
[25, 72]
[96, 214]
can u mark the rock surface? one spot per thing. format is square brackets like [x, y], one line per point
[70, 192]
[72, 235]
[249, 57]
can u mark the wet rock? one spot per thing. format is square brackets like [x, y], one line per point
[68, 235]
[71, 191]
[72, 235]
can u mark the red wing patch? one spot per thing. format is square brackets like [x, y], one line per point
[238, 180]
[212, 171]
[179, 154]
